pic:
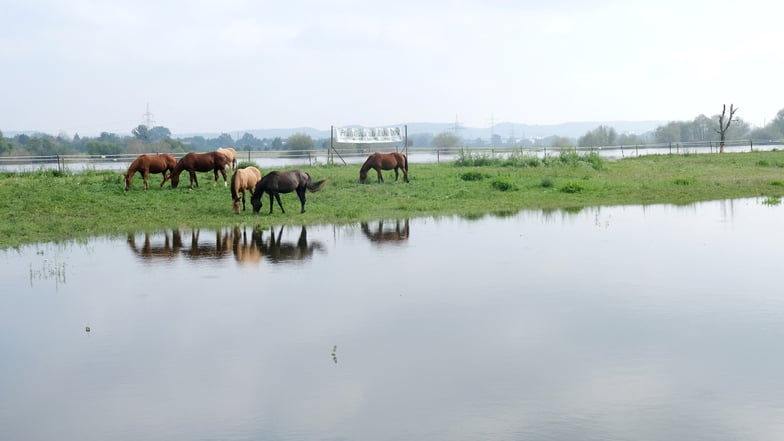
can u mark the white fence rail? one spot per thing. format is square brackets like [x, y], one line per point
[289, 158]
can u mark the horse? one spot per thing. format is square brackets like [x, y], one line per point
[199, 162]
[277, 182]
[384, 161]
[243, 179]
[231, 154]
[146, 164]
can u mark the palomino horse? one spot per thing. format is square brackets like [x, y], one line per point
[199, 162]
[146, 164]
[277, 182]
[231, 154]
[243, 179]
[384, 161]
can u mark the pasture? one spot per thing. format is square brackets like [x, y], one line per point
[48, 205]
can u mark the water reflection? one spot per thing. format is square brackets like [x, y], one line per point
[391, 233]
[279, 251]
[633, 322]
[246, 245]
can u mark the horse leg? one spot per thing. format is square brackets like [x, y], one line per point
[301, 194]
[396, 174]
[223, 172]
[243, 200]
[277, 198]
[165, 178]
[144, 178]
[380, 176]
[405, 174]
[272, 201]
[193, 177]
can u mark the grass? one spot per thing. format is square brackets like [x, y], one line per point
[53, 206]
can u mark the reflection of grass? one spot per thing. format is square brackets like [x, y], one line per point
[48, 271]
[772, 200]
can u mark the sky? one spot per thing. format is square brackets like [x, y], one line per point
[223, 66]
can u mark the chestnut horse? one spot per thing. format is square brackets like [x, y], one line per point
[384, 161]
[243, 179]
[277, 182]
[146, 164]
[199, 162]
[231, 154]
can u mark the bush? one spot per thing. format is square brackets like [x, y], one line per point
[571, 187]
[502, 185]
[472, 176]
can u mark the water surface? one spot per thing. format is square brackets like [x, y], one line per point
[645, 323]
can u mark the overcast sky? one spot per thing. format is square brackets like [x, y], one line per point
[86, 66]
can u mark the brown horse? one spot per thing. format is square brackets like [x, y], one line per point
[277, 182]
[231, 154]
[146, 164]
[384, 161]
[244, 179]
[199, 162]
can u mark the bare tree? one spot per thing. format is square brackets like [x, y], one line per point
[724, 124]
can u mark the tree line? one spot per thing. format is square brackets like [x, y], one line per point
[143, 139]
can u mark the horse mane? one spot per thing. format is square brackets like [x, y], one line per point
[367, 165]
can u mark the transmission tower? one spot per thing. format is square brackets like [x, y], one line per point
[148, 117]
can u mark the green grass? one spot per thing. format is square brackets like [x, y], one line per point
[49, 206]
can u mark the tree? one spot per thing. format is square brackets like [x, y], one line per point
[5, 145]
[300, 141]
[598, 137]
[445, 139]
[159, 133]
[724, 124]
[141, 132]
[277, 143]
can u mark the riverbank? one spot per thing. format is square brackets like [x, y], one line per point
[52, 206]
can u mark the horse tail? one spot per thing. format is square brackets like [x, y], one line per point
[405, 161]
[315, 186]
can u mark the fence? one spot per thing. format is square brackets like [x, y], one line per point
[288, 158]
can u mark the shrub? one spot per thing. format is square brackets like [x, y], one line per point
[547, 183]
[472, 176]
[502, 185]
[571, 187]
[683, 181]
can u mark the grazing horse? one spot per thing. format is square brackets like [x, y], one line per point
[384, 161]
[146, 164]
[244, 179]
[277, 182]
[231, 154]
[199, 162]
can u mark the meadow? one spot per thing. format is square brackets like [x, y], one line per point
[51, 205]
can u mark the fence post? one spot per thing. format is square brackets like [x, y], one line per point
[751, 144]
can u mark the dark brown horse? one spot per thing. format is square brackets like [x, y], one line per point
[384, 161]
[277, 182]
[146, 164]
[244, 179]
[200, 162]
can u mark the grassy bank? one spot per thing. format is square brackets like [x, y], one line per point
[52, 206]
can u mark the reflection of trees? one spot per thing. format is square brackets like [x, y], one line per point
[380, 234]
[168, 249]
[278, 251]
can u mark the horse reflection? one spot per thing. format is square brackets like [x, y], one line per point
[390, 234]
[206, 250]
[169, 249]
[246, 252]
[278, 251]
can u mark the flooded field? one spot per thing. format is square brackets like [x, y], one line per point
[637, 322]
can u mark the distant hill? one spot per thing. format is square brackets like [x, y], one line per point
[504, 130]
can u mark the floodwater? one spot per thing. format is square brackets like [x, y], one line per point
[645, 323]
